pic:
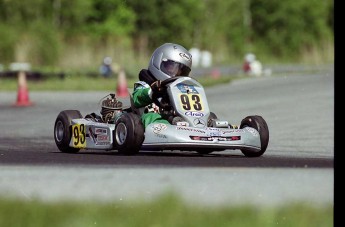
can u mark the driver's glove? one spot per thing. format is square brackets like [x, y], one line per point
[156, 86]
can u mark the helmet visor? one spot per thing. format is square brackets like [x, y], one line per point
[173, 68]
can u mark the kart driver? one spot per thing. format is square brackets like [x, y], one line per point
[168, 60]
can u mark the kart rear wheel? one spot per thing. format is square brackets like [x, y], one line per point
[260, 125]
[128, 134]
[62, 130]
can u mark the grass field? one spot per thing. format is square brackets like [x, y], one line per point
[167, 210]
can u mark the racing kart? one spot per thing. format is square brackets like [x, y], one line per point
[193, 127]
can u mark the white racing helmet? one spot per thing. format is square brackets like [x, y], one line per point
[170, 60]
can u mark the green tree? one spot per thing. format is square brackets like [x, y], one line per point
[163, 21]
[285, 28]
[70, 17]
[225, 29]
[27, 30]
[110, 17]
[41, 29]
[8, 43]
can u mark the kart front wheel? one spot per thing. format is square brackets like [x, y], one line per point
[260, 125]
[128, 134]
[62, 130]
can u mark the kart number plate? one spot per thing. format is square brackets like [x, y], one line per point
[79, 135]
[191, 102]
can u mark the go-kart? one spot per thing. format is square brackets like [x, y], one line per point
[193, 127]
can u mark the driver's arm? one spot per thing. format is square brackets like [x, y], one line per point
[142, 94]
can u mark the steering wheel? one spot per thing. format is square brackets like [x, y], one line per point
[157, 95]
[164, 83]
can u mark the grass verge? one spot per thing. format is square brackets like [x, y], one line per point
[166, 210]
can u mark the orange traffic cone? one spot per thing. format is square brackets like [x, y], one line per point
[23, 92]
[121, 90]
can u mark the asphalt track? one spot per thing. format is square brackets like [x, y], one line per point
[297, 166]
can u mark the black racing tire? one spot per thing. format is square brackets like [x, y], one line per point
[63, 130]
[260, 125]
[128, 134]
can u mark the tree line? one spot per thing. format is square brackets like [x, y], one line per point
[42, 31]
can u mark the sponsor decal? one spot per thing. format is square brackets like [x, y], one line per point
[99, 139]
[232, 131]
[215, 133]
[194, 114]
[93, 123]
[252, 131]
[103, 143]
[213, 129]
[212, 138]
[185, 56]
[158, 128]
[161, 136]
[182, 123]
[102, 138]
[190, 129]
[185, 88]
[100, 131]
[199, 122]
